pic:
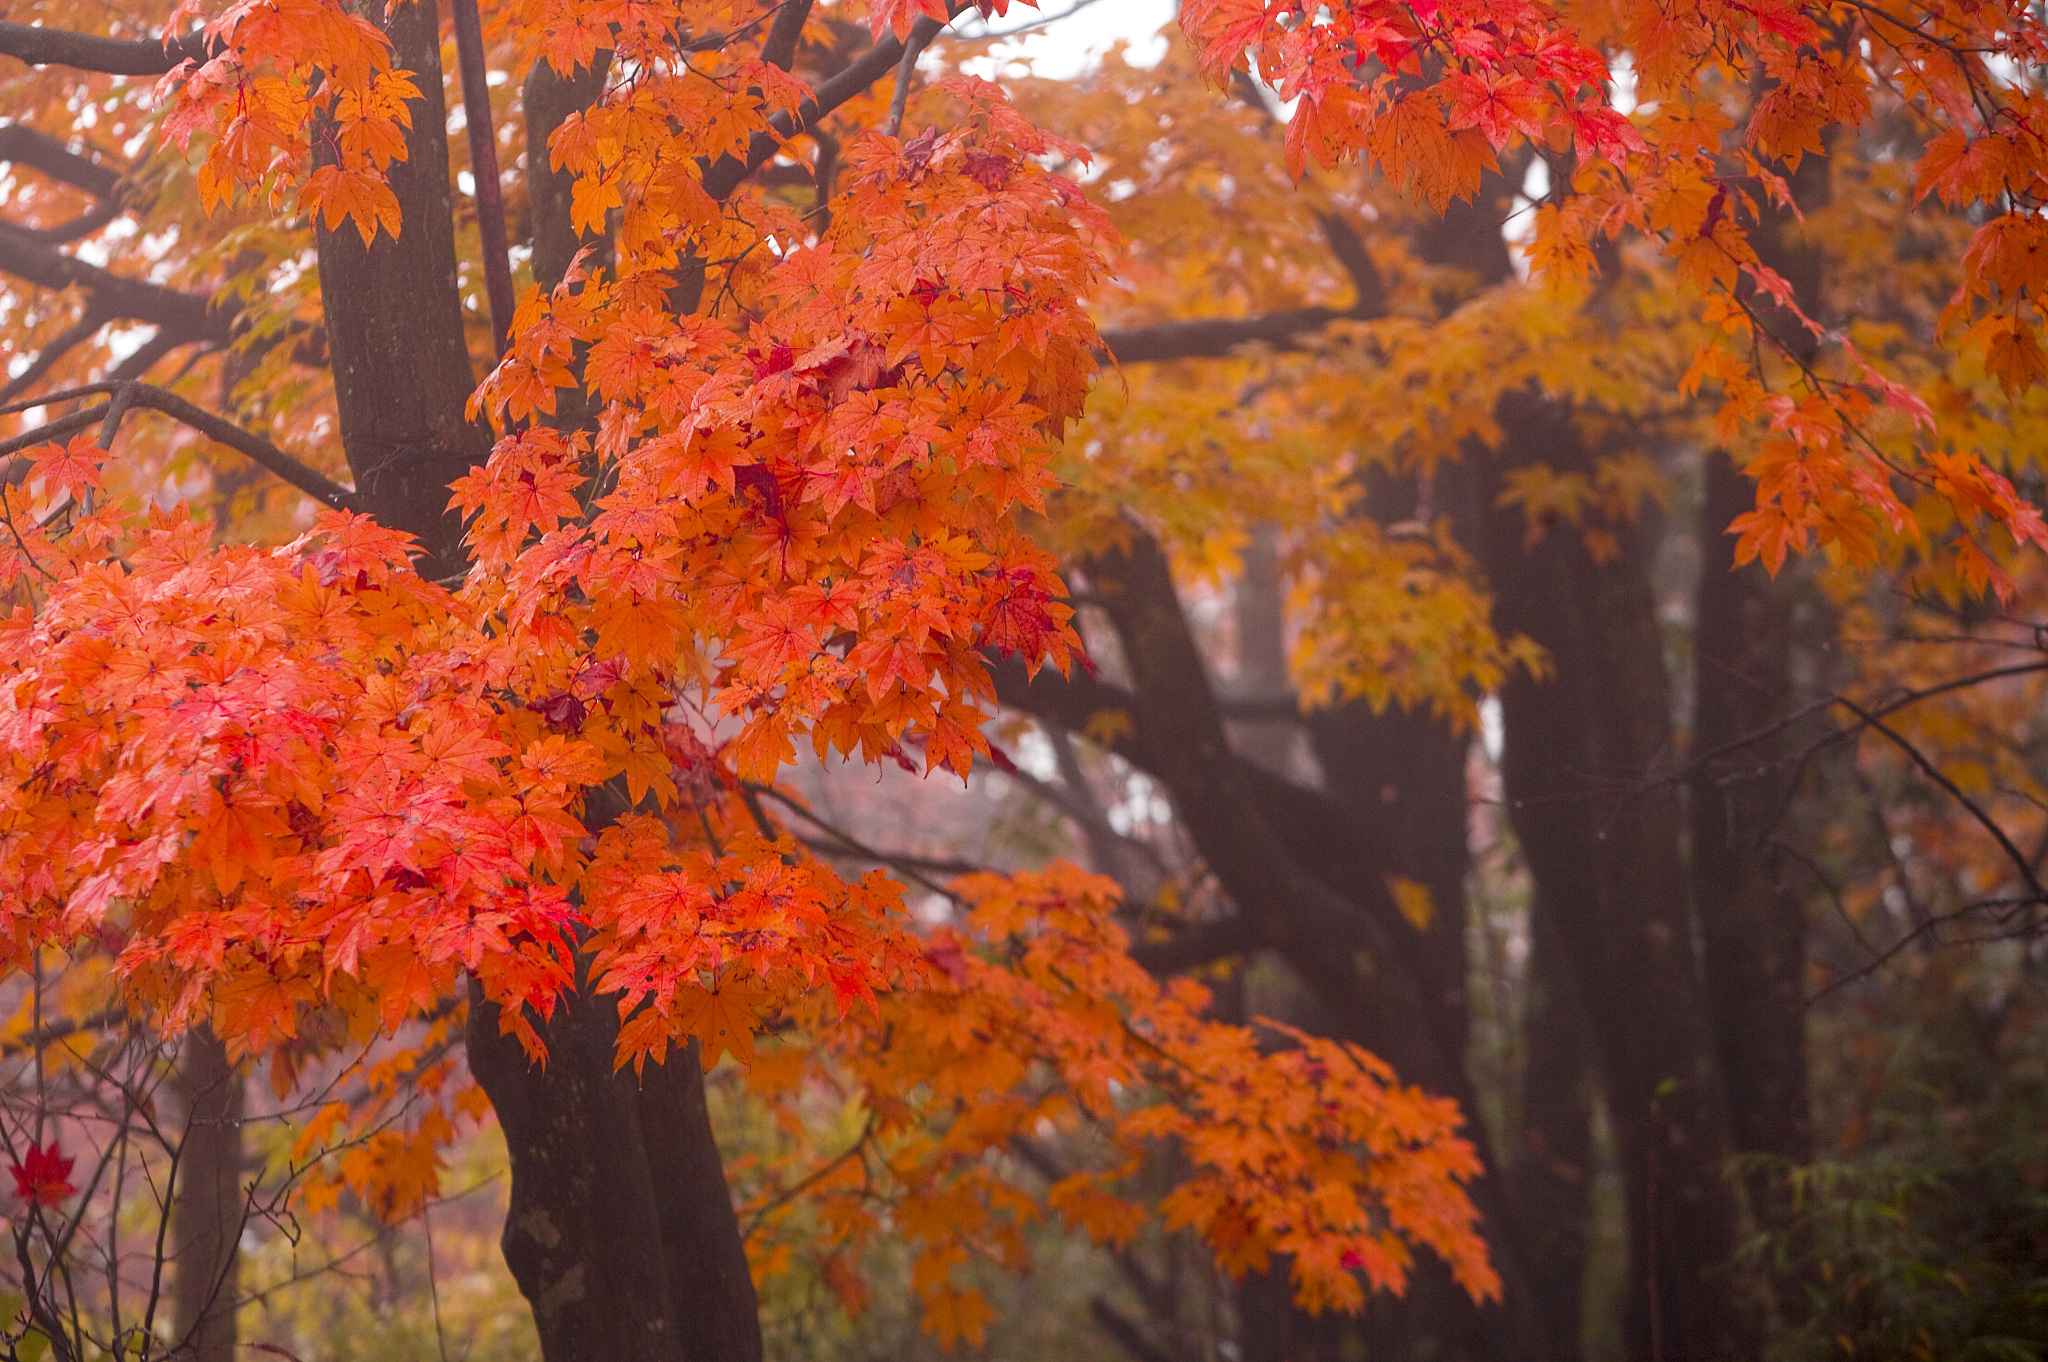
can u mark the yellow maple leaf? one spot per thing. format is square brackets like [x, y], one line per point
[1414, 900]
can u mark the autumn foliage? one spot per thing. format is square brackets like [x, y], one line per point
[766, 479]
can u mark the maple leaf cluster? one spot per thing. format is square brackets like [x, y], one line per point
[299, 103]
[1036, 1020]
[268, 770]
[1841, 449]
[813, 507]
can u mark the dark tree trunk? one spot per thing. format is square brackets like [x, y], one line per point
[1411, 768]
[1752, 931]
[208, 1205]
[709, 1284]
[550, 99]
[1603, 841]
[1550, 1156]
[395, 335]
[621, 1232]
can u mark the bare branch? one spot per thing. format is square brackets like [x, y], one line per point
[46, 432]
[114, 295]
[2037, 893]
[259, 450]
[921, 34]
[1369, 291]
[23, 145]
[85, 224]
[58, 1030]
[39, 46]
[1216, 337]
[483, 169]
[727, 172]
[138, 364]
[127, 395]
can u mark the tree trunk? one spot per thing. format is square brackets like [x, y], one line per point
[1411, 768]
[208, 1204]
[1550, 1156]
[1752, 932]
[1603, 842]
[395, 334]
[621, 1233]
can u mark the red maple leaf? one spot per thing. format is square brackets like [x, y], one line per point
[43, 1177]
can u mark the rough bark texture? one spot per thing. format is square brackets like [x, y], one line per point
[208, 1205]
[620, 1232]
[395, 338]
[709, 1285]
[1603, 841]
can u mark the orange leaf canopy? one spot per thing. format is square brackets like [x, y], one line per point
[298, 777]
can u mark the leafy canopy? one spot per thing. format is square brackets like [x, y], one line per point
[791, 506]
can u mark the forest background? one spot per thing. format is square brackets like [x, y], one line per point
[1430, 706]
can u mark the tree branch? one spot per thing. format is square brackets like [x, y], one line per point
[727, 172]
[60, 345]
[1267, 840]
[23, 145]
[117, 296]
[1202, 944]
[787, 32]
[483, 169]
[127, 396]
[85, 224]
[44, 434]
[1214, 337]
[1369, 291]
[921, 34]
[1217, 337]
[138, 364]
[39, 46]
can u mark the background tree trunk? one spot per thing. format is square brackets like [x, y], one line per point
[1549, 1158]
[1602, 837]
[1752, 932]
[208, 1205]
[1319, 896]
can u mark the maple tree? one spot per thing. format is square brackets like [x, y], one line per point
[761, 465]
